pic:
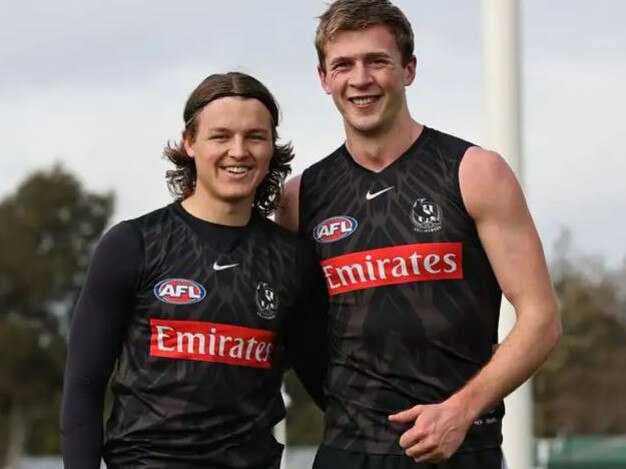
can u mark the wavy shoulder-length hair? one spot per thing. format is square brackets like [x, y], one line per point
[181, 181]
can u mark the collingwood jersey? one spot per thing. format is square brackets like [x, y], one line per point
[197, 382]
[414, 303]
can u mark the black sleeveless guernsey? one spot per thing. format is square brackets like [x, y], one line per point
[197, 382]
[414, 303]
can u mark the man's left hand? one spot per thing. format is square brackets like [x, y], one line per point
[437, 432]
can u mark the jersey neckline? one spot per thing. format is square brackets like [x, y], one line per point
[397, 162]
[220, 238]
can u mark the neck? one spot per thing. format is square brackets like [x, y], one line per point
[376, 151]
[218, 211]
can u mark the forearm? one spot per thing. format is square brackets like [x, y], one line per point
[98, 328]
[306, 335]
[81, 427]
[516, 359]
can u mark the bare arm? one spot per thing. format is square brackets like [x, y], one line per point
[287, 212]
[495, 201]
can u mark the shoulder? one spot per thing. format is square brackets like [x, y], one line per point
[117, 260]
[152, 218]
[123, 235]
[277, 231]
[126, 238]
[287, 212]
[486, 181]
[449, 143]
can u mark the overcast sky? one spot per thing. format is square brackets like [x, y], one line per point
[100, 86]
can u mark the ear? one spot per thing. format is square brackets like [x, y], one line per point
[323, 78]
[409, 71]
[187, 145]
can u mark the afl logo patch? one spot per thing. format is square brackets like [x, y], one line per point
[334, 228]
[426, 216]
[266, 301]
[179, 291]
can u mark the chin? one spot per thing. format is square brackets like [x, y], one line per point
[366, 127]
[236, 196]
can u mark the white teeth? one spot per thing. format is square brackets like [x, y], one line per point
[237, 169]
[363, 101]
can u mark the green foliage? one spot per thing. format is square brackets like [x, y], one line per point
[49, 227]
[580, 389]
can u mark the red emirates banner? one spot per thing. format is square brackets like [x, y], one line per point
[418, 262]
[211, 342]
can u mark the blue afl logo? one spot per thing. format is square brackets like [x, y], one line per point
[179, 291]
[334, 228]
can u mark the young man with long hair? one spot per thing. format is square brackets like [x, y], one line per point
[198, 305]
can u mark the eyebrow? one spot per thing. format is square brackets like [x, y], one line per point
[249, 131]
[377, 55]
[368, 56]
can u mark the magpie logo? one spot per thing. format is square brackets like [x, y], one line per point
[426, 216]
[373, 195]
[266, 301]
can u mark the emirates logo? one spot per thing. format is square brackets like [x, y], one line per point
[420, 262]
[211, 342]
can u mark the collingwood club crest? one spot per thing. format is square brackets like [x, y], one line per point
[266, 301]
[426, 216]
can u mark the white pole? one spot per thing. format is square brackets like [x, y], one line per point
[280, 430]
[501, 36]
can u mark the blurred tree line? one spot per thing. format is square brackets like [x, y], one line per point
[48, 228]
[581, 389]
[51, 223]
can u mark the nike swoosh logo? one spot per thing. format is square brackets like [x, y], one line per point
[370, 196]
[217, 266]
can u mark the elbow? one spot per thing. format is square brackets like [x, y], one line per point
[553, 330]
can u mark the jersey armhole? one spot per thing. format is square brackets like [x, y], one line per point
[457, 178]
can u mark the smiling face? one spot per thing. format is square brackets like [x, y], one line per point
[232, 148]
[363, 73]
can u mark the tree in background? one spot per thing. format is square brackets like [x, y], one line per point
[580, 390]
[49, 227]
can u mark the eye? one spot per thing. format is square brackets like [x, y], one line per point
[339, 66]
[218, 137]
[378, 62]
[258, 137]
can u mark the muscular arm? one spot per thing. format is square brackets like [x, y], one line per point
[97, 331]
[495, 201]
[288, 209]
[305, 337]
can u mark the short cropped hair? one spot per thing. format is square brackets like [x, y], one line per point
[352, 15]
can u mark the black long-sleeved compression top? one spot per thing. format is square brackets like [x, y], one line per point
[199, 321]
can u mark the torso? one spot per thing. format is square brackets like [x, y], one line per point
[414, 302]
[198, 380]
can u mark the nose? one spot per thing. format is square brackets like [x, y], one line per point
[360, 76]
[238, 147]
